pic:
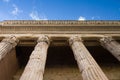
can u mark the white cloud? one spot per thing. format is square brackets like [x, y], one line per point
[81, 18]
[36, 16]
[6, 0]
[16, 10]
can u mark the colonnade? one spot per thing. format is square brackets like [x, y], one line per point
[88, 67]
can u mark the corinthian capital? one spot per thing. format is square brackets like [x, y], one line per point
[74, 39]
[106, 39]
[43, 38]
[12, 40]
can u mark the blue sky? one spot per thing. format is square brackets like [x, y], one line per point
[59, 10]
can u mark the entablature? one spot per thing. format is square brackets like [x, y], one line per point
[59, 30]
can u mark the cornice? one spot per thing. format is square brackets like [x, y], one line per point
[58, 23]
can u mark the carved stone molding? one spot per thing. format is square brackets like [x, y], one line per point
[59, 27]
[56, 22]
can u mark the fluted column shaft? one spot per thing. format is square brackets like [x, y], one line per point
[87, 65]
[7, 45]
[111, 45]
[34, 69]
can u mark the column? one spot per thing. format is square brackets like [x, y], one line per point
[7, 45]
[111, 45]
[34, 69]
[87, 65]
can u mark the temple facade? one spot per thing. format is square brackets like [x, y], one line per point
[59, 50]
